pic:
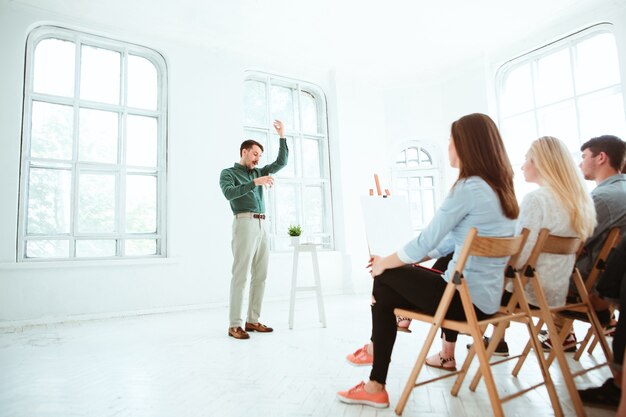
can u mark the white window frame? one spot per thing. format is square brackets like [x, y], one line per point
[120, 169]
[569, 42]
[433, 170]
[326, 238]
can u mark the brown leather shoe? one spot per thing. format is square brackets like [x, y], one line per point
[258, 327]
[238, 333]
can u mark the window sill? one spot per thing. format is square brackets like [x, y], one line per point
[86, 264]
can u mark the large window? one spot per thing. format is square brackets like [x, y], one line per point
[417, 177]
[301, 194]
[92, 181]
[570, 89]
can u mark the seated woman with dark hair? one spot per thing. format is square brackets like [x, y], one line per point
[482, 197]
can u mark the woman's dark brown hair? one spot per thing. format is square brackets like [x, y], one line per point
[481, 153]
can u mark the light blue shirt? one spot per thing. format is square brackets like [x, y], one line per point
[471, 203]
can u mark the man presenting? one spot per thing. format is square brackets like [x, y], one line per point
[242, 186]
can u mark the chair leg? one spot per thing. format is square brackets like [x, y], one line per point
[592, 345]
[545, 368]
[524, 355]
[584, 343]
[485, 369]
[558, 353]
[419, 363]
[496, 336]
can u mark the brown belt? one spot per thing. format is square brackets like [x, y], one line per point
[259, 216]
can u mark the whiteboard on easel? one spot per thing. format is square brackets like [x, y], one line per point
[387, 223]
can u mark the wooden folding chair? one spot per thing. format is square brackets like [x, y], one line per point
[599, 264]
[551, 244]
[545, 244]
[474, 245]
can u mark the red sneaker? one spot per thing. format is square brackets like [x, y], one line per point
[358, 395]
[360, 357]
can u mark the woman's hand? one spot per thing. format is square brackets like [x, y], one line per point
[376, 266]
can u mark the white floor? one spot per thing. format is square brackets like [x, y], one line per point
[182, 364]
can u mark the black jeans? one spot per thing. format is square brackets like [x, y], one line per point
[411, 288]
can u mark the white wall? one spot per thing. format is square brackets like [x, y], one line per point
[205, 130]
[368, 118]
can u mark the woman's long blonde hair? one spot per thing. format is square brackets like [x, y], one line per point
[559, 173]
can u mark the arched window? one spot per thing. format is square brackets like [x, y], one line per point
[417, 176]
[570, 89]
[92, 181]
[303, 194]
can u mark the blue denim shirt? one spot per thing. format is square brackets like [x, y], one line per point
[471, 203]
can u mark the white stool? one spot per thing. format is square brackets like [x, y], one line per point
[312, 248]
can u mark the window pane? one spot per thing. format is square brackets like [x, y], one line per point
[95, 248]
[308, 112]
[141, 247]
[517, 92]
[100, 75]
[290, 170]
[313, 210]
[596, 63]
[141, 141]
[96, 203]
[401, 159]
[49, 202]
[602, 113]
[428, 203]
[517, 133]
[54, 64]
[255, 101]
[559, 120]
[425, 158]
[47, 249]
[260, 137]
[142, 83]
[141, 195]
[412, 157]
[554, 78]
[282, 106]
[98, 134]
[415, 201]
[286, 206]
[311, 158]
[51, 135]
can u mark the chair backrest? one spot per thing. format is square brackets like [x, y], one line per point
[612, 239]
[552, 244]
[489, 247]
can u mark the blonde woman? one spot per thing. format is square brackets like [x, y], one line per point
[563, 206]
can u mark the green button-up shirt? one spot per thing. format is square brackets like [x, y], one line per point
[237, 183]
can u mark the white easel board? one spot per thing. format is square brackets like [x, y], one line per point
[387, 223]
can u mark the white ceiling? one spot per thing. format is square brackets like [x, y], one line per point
[391, 35]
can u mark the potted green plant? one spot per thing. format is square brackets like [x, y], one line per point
[294, 232]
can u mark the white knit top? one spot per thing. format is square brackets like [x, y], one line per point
[540, 209]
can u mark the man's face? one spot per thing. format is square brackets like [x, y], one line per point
[250, 157]
[588, 165]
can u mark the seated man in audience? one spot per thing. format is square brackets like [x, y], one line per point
[602, 162]
[612, 289]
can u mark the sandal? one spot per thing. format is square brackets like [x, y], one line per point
[403, 324]
[438, 361]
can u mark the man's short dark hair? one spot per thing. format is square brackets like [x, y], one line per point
[612, 146]
[248, 144]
